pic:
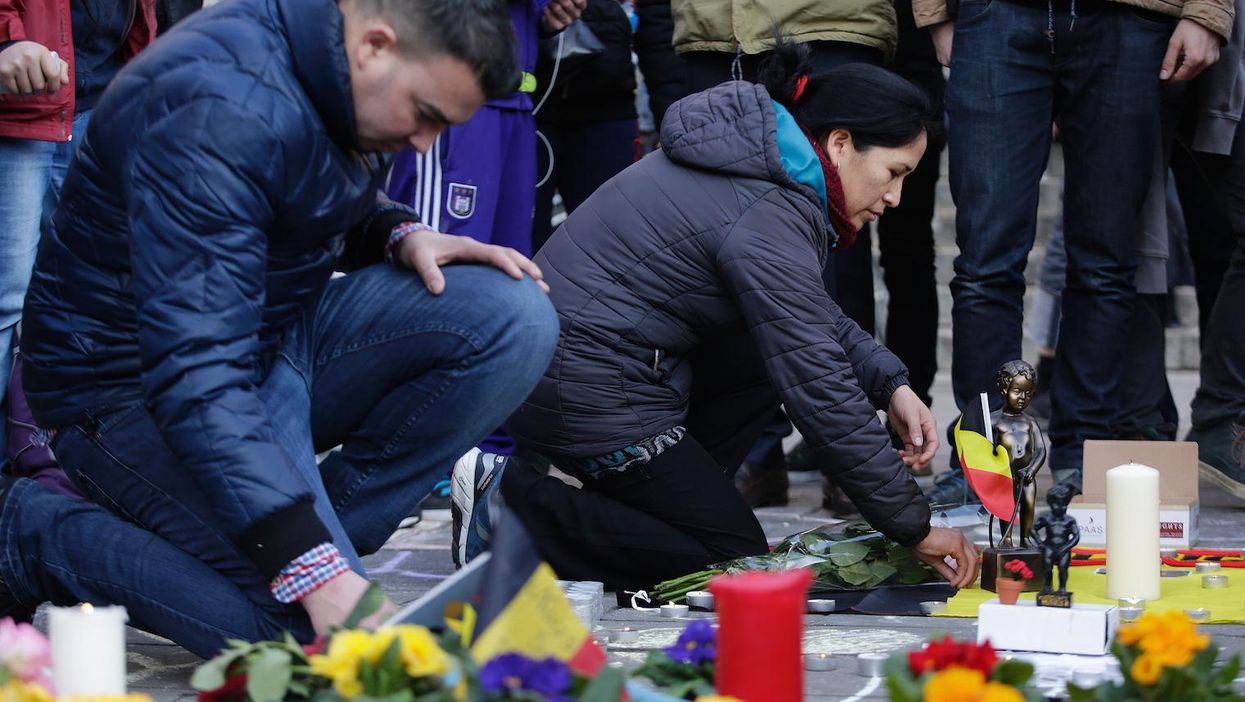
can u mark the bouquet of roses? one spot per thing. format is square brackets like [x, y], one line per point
[1163, 657]
[952, 671]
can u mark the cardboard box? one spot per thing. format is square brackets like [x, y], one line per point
[1084, 629]
[1176, 462]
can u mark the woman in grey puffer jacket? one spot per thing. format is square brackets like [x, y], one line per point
[691, 304]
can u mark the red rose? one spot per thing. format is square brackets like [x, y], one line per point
[234, 690]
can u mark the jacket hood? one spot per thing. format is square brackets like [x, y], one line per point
[733, 129]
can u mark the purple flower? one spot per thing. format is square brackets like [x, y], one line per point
[515, 672]
[697, 644]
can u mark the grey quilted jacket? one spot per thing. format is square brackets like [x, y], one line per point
[710, 234]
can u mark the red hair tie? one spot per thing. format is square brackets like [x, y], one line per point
[800, 84]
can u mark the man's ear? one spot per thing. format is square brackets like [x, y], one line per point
[375, 38]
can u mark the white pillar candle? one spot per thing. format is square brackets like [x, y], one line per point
[88, 650]
[1133, 532]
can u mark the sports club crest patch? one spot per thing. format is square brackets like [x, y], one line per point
[461, 201]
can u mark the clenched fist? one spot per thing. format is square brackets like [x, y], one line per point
[28, 67]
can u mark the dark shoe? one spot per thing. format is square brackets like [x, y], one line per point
[951, 489]
[835, 501]
[437, 500]
[1221, 455]
[762, 485]
[10, 607]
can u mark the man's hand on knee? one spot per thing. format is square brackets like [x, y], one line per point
[425, 251]
[332, 603]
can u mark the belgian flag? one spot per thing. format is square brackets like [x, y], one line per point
[522, 608]
[986, 466]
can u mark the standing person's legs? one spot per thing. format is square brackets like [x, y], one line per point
[1208, 222]
[1219, 405]
[516, 197]
[25, 167]
[455, 186]
[549, 165]
[999, 102]
[906, 241]
[594, 153]
[1110, 124]
[407, 388]
[60, 164]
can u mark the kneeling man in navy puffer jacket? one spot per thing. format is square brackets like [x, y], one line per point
[184, 338]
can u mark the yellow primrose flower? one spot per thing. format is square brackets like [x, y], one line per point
[1147, 669]
[421, 655]
[955, 684]
[998, 692]
[17, 691]
[341, 662]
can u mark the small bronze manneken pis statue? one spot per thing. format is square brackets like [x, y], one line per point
[1062, 535]
[1001, 462]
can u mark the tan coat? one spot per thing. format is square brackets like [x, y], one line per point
[748, 25]
[1215, 15]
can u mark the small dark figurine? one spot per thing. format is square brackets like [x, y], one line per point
[1062, 535]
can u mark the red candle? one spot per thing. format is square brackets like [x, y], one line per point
[761, 619]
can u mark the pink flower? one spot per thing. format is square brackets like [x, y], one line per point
[23, 651]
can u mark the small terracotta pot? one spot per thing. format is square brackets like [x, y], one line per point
[1009, 590]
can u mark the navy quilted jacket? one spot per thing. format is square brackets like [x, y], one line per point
[217, 181]
[711, 233]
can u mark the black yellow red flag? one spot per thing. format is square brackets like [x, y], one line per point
[986, 466]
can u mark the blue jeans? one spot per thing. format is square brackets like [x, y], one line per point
[31, 173]
[1007, 85]
[404, 381]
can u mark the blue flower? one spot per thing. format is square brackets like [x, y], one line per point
[697, 644]
[515, 672]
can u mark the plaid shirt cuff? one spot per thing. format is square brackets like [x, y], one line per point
[307, 573]
[401, 232]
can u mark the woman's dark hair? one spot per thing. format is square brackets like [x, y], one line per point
[878, 107]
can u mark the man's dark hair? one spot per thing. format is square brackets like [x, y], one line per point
[477, 32]
[876, 106]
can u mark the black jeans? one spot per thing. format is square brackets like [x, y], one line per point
[1212, 191]
[584, 157]
[673, 516]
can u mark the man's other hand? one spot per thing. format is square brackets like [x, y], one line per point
[1191, 50]
[942, 34]
[559, 14]
[28, 67]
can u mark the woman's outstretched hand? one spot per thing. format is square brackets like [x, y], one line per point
[943, 543]
[915, 425]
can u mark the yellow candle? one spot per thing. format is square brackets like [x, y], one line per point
[88, 650]
[1133, 532]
